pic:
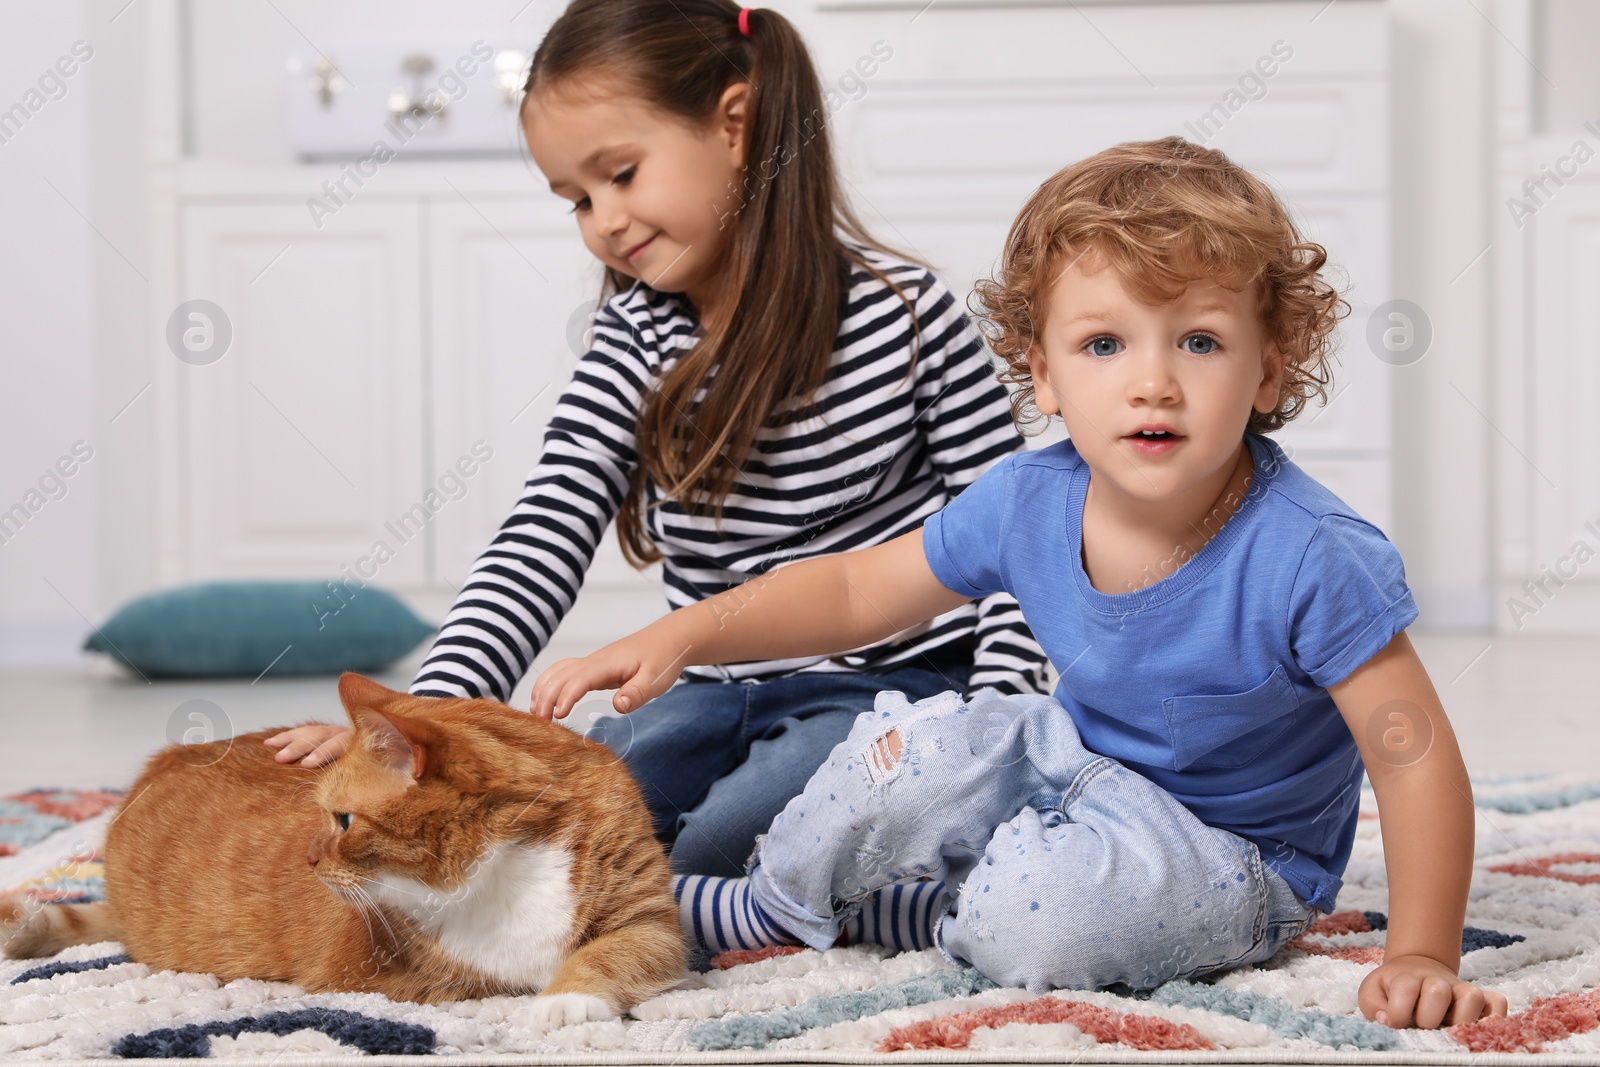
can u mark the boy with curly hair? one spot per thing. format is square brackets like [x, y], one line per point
[1230, 638]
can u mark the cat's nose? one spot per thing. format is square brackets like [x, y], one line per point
[311, 858]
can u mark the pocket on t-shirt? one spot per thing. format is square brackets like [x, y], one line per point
[1226, 730]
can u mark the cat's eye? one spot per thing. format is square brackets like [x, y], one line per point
[343, 819]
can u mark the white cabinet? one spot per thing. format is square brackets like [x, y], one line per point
[1557, 589]
[344, 430]
[1547, 360]
[306, 437]
[1563, 462]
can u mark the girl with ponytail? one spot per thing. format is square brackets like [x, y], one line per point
[766, 383]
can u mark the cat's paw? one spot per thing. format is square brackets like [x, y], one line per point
[22, 926]
[552, 1011]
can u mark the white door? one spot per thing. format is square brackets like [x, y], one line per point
[1558, 466]
[303, 444]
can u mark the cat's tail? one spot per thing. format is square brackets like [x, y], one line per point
[29, 929]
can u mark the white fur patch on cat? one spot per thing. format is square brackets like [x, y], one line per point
[511, 919]
[542, 1014]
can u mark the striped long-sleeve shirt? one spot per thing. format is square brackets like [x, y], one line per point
[879, 451]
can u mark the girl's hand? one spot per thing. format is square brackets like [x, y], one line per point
[1420, 991]
[318, 742]
[636, 671]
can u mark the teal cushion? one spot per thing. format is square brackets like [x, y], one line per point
[241, 628]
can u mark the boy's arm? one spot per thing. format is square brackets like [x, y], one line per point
[814, 607]
[1425, 808]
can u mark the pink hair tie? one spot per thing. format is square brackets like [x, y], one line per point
[744, 21]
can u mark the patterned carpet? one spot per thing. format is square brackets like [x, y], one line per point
[1533, 934]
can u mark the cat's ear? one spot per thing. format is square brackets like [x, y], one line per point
[356, 691]
[396, 742]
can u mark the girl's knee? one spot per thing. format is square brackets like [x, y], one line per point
[699, 848]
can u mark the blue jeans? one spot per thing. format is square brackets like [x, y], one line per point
[1066, 869]
[717, 761]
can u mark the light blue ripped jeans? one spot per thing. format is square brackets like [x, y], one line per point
[1074, 872]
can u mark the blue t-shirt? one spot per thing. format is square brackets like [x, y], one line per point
[1212, 681]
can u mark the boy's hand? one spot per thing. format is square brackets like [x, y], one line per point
[637, 671]
[1420, 991]
[318, 742]
[1425, 808]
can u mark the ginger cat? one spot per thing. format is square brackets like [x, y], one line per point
[458, 849]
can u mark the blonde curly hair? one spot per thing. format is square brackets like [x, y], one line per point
[1162, 214]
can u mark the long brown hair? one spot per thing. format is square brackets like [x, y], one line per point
[785, 258]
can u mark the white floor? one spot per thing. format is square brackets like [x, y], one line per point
[1519, 705]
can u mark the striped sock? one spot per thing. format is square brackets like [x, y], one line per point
[721, 915]
[901, 917]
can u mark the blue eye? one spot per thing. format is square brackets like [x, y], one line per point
[1103, 346]
[1200, 344]
[343, 819]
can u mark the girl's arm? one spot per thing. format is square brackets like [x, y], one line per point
[1425, 808]
[814, 607]
[527, 578]
[964, 414]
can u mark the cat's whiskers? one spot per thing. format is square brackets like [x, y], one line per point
[430, 900]
[367, 903]
[351, 893]
[361, 910]
[346, 891]
[371, 905]
[397, 887]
